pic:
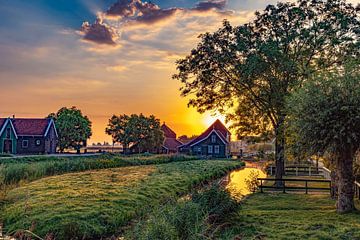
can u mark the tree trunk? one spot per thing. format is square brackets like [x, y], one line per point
[334, 184]
[279, 154]
[344, 162]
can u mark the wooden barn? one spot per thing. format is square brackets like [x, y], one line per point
[171, 144]
[27, 136]
[214, 142]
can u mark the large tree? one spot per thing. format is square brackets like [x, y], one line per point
[137, 130]
[246, 72]
[73, 128]
[326, 115]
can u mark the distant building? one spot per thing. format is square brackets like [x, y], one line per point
[238, 148]
[27, 136]
[214, 142]
[171, 144]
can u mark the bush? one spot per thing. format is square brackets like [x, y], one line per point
[196, 218]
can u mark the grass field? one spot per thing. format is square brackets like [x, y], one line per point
[292, 216]
[92, 204]
[14, 171]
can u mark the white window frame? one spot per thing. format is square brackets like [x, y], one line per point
[213, 138]
[216, 149]
[25, 145]
[210, 149]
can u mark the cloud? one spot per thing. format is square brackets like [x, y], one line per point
[136, 13]
[211, 5]
[98, 32]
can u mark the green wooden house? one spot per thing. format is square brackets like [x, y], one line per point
[8, 137]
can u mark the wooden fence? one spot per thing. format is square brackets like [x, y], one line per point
[285, 187]
[294, 170]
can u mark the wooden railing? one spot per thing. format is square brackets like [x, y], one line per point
[296, 170]
[285, 187]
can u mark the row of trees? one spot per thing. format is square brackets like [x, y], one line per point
[250, 72]
[74, 130]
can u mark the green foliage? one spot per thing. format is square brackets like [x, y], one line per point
[73, 128]
[97, 204]
[292, 216]
[143, 132]
[325, 113]
[196, 218]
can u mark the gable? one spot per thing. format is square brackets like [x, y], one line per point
[213, 132]
[6, 123]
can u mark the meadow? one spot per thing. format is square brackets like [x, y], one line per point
[292, 216]
[97, 203]
[15, 171]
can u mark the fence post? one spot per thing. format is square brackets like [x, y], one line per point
[310, 171]
[261, 186]
[306, 187]
[358, 192]
[297, 171]
[271, 170]
[283, 186]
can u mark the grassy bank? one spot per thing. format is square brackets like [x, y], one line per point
[17, 170]
[292, 216]
[93, 204]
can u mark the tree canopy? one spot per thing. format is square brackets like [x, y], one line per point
[246, 72]
[325, 113]
[73, 128]
[136, 130]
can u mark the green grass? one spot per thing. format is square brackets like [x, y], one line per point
[15, 171]
[94, 204]
[292, 216]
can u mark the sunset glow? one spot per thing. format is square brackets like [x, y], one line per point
[88, 54]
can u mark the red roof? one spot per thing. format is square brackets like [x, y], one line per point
[29, 126]
[172, 144]
[217, 126]
[167, 131]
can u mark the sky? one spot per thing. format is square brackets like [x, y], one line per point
[106, 56]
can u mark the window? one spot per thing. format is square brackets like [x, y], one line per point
[38, 142]
[210, 149]
[217, 149]
[25, 143]
[213, 138]
[197, 149]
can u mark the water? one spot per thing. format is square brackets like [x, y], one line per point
[237, 184]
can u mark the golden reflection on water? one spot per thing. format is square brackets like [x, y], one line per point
[237, 185]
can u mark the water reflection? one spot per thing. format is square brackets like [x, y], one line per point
[237, 184]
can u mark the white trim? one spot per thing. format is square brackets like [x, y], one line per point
[48, 128]
[12, 126]
[208, 137]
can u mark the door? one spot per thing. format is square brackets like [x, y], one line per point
[7, 146]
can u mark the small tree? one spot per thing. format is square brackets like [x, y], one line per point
[144, 132]
[326, 116]
[73, 128]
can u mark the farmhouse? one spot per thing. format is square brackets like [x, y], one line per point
[27, 136]
[171, 144]
[214, 142]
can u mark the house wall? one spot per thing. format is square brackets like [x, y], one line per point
[12, 138]
[223, 148]
[33, 147]
[51, 141]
